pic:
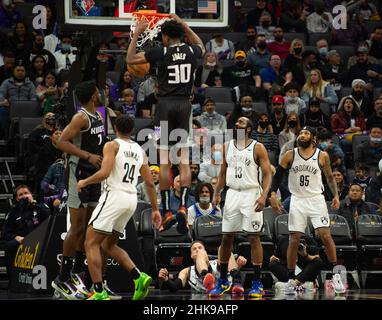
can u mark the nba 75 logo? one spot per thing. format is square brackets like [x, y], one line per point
[85, 5]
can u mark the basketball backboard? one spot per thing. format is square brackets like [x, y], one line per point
[117, 13]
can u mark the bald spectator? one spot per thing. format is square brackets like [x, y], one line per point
[270, 74]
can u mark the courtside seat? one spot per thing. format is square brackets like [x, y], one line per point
[141, 206]
[209, 230]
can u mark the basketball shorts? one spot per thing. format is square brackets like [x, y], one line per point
[88, 197]
[113, 212]
[174, 113]
[303, 208]
[239, 212]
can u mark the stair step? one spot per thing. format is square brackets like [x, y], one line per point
[8, 159]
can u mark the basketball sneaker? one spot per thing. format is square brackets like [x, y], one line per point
[237, 288]
[112, 295]
[280, 286]
[291, 287]
[78, 283]
[337, 284]
[257, 289]
[99, 295]
[168, 220]
[222, 286]
[142, 285]
[209, 282]
[181, 217]
[66, 290]
[309, 286]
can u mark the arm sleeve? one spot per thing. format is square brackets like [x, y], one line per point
[277, 178]
[173, 285]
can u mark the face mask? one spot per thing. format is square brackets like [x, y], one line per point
[240, 64]
[194, 175]
[39, 46]
[262, 45]
[279, 38]
[278, 110]
[291, 99]
[204, 200]
[217, 156]
[251, 37]
[265, 24]
[323, 51]
[297, 50]
[358, 95]
[324, 145]
[66, 46]
[263, 124]
[375, 140]
[211, 64]
[246, 110]
[24, 203]
[292, 123]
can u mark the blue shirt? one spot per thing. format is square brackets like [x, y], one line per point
[268, 75]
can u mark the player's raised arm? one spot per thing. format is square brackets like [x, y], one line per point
[192, 36]
[132, 56]
[278, 178]
[261, 155]
[331, 181]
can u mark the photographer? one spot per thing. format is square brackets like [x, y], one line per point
[26, 215]
[310, 264]
[41, 150]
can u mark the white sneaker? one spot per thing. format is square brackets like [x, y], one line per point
[112, 295]
[337, 284]
[280, 286]
[309, 286]
[290, 288]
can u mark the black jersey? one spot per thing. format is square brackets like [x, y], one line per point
[176, 67]
[92, 139]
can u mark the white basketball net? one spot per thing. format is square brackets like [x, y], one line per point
[152, 30]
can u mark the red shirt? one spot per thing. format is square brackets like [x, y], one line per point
[281, 49]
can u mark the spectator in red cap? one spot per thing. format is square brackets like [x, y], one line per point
[278, 116]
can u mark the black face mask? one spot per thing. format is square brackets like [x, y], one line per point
[194, 175]
[265, 24]
[292, 123]
[240, 64]
[297, 50]
[262, 45]
[278, 110]
[263, 124]
[39, 46]
[23, 203]
[304, 144]
[279, 38]
[251, 37]
[358, 95]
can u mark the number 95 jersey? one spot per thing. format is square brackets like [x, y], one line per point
[305, 177]
[125, 172]
[242, 170]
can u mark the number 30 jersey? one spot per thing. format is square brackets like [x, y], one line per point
[127, 164]
[242, 170]
[305, 177]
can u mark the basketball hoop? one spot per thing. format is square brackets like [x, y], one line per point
[154, 20]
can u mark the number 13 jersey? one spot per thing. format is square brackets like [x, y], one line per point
[125, 172]
[242, 170]
[305, 175]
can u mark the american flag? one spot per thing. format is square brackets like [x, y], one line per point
[207, 7]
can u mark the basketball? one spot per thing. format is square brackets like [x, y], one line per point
[139, 70]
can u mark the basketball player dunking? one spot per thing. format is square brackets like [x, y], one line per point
[306, 164]
[247, 172]
[124, 160]
[176, 62]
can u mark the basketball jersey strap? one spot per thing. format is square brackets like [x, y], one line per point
[198, 213]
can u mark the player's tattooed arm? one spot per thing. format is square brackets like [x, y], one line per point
[331, 181]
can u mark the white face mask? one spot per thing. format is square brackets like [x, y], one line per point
[211, 64]
[204, 200]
